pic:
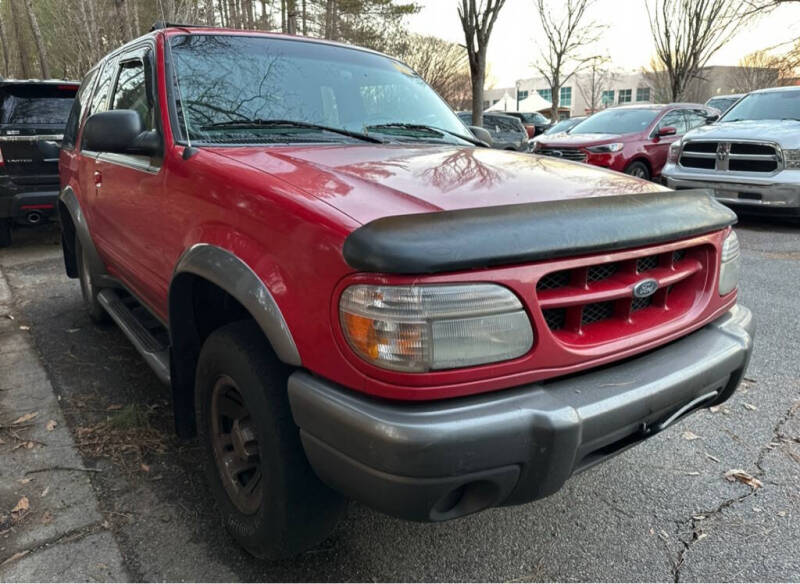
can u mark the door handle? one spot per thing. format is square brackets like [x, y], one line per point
[98, 179]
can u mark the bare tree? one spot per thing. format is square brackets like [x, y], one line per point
[4, 47]
[37, 37]
[566, 34]
[757, 71]
[596, 78]
[477, 20]
[687, 33]
[442, 64]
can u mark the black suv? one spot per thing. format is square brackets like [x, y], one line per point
[32, 119]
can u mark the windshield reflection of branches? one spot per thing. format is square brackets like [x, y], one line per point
[221, 83]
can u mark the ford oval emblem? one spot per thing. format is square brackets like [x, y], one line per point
[645, 288]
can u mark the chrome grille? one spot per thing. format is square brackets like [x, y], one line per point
[730, 156]
[566, 153]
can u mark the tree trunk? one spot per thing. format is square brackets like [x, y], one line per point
[555, 98]
[478, 79]
[291, 17]
[305, 19]
[209, 8]
[23, 62]
[126, 16]
[4, 47]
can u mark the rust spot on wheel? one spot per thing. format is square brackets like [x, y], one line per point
[235, 445]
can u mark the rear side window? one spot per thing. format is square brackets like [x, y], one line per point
[78, 108]
[31, 104]
[676, 120]
[131, 92]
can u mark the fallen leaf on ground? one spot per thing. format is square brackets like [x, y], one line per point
[698, 517]
[712, 457]
[25, 418]
[10, 316]
[24, 481]
[714, 409]
[737, 474]
[45, 491]
[750, 407]
[113, 407]
[20, 508]
[47, 517]
[51, 425]
[781, 513]
[689, 435]
[145, 467]
[693, 473]
[702, 536]
[24, 328]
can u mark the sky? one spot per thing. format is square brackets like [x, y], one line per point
[627, 40]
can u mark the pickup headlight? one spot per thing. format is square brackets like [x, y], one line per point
[730, 265]
[423, 328]
[674, 150]
[603, 148]
[791, 158]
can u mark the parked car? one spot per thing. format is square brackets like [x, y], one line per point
[352, 299]
[507, 132]
[631, 139]
[32, 118]
[750, 157]
[533, 122]
[724, 102]
[561, 128]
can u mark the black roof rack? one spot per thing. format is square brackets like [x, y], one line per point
[162, 24]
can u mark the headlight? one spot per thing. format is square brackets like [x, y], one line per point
[423, 328]
[613, 147]
[730, 264]
[674, 150]
[791, 158]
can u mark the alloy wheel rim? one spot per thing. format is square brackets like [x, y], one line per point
[235, 445]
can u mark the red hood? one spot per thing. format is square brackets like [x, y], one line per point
[368, 182]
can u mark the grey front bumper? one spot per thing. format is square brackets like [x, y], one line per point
[441, 460]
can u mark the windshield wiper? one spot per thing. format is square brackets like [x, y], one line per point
[425, 127]
[261, 123]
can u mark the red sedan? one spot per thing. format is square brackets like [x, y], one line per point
[630, 139]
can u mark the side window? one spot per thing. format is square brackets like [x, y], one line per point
[77, 111]
[131, 92]
[100, 97]
[675, 119]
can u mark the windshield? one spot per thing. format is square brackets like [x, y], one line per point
[35, 104]
[226, 81]
[721, 103]
[617, 121]
[562, 126]
[772, 105]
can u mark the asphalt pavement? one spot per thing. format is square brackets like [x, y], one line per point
[661, 511]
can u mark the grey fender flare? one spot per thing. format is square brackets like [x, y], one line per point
[224, 269]
[70, 201]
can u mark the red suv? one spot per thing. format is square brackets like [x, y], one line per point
[351, 298]
[633, 139]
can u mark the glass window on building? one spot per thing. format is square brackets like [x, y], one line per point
[642, 94]
[625, 96]
[565, 96]
[546, 94]
[607, 98]
[522, 94]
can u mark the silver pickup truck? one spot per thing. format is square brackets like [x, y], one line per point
[750, 157]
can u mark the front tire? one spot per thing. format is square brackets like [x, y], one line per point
[89, 289]
[269, 497]
[5, 232]
[638, 169]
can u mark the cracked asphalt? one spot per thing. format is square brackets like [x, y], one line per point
[662, 511]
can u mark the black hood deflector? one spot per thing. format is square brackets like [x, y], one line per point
[464, 239]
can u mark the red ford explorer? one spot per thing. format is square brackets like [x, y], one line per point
[632, 139]
[350, 297]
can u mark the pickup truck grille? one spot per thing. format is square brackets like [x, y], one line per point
[595, 302]
[575, 154]
[730, 156]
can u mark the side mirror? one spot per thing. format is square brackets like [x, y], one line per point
[667, 131]
[481, 134]
[120, 132]
[710, 118]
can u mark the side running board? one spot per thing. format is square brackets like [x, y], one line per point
[146, 333]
